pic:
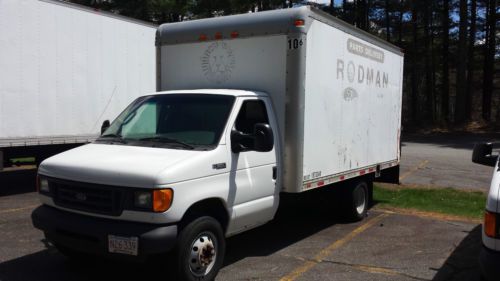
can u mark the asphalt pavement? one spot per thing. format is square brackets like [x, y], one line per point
[306, 242]
[444, 160]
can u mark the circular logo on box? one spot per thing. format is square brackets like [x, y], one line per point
[218, 62]
[350, 94]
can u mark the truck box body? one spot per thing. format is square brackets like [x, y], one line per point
[336, 90]
[64, 69]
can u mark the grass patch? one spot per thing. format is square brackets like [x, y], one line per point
[23, 160]
[448, 201]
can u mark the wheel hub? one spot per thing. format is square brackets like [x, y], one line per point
[203, 254]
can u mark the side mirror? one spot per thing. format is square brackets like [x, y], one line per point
[482, 154]
[263, 137]
[105, 125]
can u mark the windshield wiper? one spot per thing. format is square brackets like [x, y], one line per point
[113, 137]
[167, 140]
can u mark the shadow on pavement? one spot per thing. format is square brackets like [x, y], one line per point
[452, 140]
[292, 224]
[17, 182]
[462, 264]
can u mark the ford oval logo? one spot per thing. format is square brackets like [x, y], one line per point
[81, 196]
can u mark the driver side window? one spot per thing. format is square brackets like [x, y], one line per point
[251, 113]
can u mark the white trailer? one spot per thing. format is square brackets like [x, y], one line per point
[250, 107]
[64, 69]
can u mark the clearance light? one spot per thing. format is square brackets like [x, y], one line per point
[203, 37]
[162, 199]
[218, 36]
[299, 23]
[490, 224]
[234, 34]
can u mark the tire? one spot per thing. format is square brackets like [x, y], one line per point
[357, 201]
[200, 250]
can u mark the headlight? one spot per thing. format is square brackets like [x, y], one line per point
[143, 199]
[43, 185]
[158, 200]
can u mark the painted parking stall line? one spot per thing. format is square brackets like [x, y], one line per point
[414, 169]
[323, 254]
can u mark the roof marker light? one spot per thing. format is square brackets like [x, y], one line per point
[299, 23]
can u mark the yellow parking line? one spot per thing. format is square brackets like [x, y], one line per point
[328, 250]
[18, 209]
[414, 169]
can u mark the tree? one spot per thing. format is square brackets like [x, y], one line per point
[489, 59]
[445, 85]
[429, 85]
[387, 21]
[414, 69]
[460, 98]
[470, 60]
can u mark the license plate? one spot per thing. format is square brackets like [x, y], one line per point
[123, 245]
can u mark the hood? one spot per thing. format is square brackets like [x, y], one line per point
[118, 165]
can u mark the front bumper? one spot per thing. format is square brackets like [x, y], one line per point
[90, 234]
[489, 261]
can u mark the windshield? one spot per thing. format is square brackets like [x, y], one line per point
[179, 120]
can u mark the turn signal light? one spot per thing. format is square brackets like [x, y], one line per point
[234, 34]
[162, 199]
[203, 37]
[218, 36]
[490, 224]
[299, 23]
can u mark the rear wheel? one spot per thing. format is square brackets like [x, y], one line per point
[200, 251]
[357, 200]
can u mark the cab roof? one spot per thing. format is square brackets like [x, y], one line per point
[226, 92]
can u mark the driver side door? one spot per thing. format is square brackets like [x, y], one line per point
[253, 174]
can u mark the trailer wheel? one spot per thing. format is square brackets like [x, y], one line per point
[200, 251]
[358, 201]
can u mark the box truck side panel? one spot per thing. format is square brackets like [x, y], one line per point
[352, 111]
[65, 69]
[257, 63]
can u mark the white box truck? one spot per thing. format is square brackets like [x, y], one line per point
[64, 69]
[249, 107]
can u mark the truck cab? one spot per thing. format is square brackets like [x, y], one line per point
[489, 258]
[201, 161]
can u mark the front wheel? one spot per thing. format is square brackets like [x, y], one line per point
[200, 251]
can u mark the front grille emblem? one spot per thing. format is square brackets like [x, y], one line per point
[81, 196]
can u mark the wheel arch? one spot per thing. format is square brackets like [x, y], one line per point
[214, 207]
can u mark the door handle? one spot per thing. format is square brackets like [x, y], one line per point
[275, 173]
